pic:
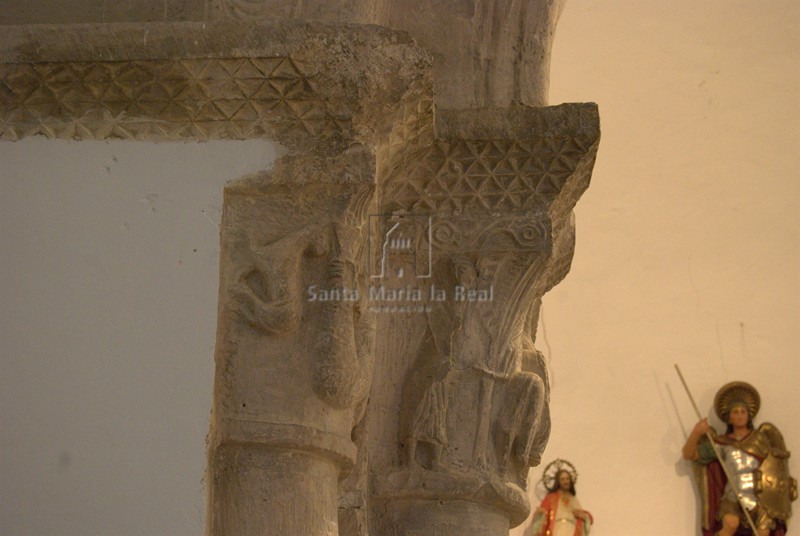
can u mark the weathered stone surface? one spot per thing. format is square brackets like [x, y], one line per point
[292, 375]
[360, 11]
[496, 189]
[486, 53]
[281, 485]
[301, 84]
[376, 368]
[66, 12]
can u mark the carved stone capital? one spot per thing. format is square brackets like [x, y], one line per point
[486, 197]
[293, 371]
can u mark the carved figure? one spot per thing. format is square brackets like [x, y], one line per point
[268, 290]
[480, 362]
[756, 460]
[524, 426]
[269, 296]
[560, 513]
[429, 423]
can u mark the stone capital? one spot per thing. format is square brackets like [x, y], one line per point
[487, 197]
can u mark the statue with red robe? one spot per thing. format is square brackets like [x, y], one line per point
[756, 472]
[560, 513]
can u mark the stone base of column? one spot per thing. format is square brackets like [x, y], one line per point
[258, 490]
[415, 517]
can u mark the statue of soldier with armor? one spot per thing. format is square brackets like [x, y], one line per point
[754, 488]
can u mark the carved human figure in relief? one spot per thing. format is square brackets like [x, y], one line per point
[429, 424]
[481, 349]
[757, 463]
[560, 513]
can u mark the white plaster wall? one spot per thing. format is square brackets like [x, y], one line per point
[688, 244]
[108, 291]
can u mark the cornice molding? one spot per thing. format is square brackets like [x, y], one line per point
[309, 86]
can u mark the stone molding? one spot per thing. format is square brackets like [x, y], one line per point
[199, 99]
[294, 82]
[359, 11]
[237, 430]
[491, 175]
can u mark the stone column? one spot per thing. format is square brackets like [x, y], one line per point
[482, 184]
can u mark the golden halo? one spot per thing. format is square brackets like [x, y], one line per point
[734, 393]
[552, 470]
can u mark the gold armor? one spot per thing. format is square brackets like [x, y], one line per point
[770, 482]
[774, 487]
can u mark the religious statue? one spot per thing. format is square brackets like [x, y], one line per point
[752, 492]
[560, 513]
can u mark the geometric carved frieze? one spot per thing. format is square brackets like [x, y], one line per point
[488, 161]
[499, 175]
[314, 87]
[184, 99]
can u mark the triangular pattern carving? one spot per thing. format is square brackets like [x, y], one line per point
[188, 99]
[486, 175]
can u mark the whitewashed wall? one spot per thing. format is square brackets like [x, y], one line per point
[688, 244]
[108, 292]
